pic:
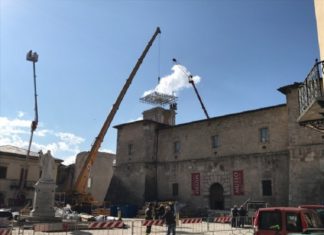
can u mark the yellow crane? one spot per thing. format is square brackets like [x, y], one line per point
[81, 182]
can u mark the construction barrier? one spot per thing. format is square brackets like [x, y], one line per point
[152, 222]
[5, 231]
[49, 227]
[194, 226]
[106, 224]
[223, 219]
[191, 220]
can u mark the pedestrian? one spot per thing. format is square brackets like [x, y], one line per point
[149, 216]
[234, 214]
[242, 214]
[161, 211]
[171, 204]
[156, 211]
[170, 221]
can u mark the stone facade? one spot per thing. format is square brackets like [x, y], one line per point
[100, 174]
[12, 163]
[306, 152]
[261, 154]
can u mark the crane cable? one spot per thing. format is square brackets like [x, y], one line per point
[159, 58]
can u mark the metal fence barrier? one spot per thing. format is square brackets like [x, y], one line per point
[206, 226]
[5, 231]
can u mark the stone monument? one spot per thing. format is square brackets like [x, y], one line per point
[43, 204]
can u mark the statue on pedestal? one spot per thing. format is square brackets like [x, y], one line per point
[43, 203]
[47, 164]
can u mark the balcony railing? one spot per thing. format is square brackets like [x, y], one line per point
[312, 88]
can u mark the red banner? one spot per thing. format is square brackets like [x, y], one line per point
[238, 183]
[195, 184]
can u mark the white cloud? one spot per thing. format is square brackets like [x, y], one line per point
[43, 132]
[16, 132]
[21, 114]
[12, 132]
[69, 160]
[174, 82]
[70, 138]
[5, 123]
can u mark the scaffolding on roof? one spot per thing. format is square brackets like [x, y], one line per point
[157, 98]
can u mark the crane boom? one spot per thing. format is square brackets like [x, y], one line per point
[81, 181]
[192, 82]
[199, 98]
[33, 57]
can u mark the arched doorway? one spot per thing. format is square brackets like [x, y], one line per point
[216, 197]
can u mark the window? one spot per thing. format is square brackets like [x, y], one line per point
[311, 221]
[215, 141]
[130, 149]
[3, 172]
[270, 220]
[266, 188]
[176, 147]
[264, 135]
[175, 189]
[293, 222]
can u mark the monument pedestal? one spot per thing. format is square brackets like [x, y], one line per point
[43, 204]
[44, 196]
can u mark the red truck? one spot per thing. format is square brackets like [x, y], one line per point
[285, 220]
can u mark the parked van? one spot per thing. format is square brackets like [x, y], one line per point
[285, 220]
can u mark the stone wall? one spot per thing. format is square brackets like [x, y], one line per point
[152, 168]
[306, 146]
[237, 134]
[136, 142]
[100, 174]
[135, 172]
[255, 168]
[290, 164]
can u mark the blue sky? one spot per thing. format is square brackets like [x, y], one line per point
[242, 51]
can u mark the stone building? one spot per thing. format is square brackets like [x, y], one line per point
[14, 191]
[268, 154]
[100, 174]
[262, 154]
